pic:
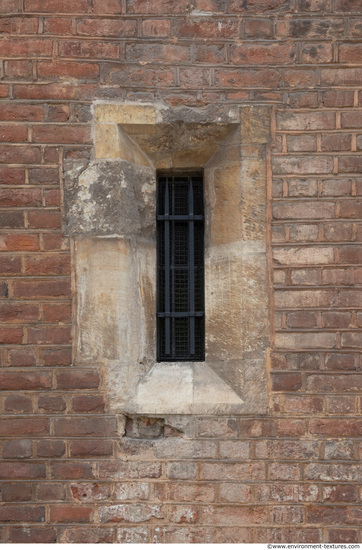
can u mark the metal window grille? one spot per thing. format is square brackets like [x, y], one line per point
[180, 269]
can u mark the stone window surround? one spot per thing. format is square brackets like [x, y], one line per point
[110, 215]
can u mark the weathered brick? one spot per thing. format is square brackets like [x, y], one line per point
[69, 514]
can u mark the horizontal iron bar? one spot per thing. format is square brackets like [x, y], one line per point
[186, 217]
[183, 314]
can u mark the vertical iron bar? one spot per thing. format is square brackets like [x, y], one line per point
[167, 273]
[191, 270]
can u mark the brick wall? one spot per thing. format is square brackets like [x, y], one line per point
[293, 475]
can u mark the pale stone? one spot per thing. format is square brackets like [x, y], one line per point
[116, 113]
[255, 124]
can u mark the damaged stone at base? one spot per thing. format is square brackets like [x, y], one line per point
[110, 213]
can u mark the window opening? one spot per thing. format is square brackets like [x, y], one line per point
[180, 268]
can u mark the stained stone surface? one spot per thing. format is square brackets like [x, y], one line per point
[110, 214]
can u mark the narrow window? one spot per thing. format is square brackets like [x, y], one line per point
[180, 268]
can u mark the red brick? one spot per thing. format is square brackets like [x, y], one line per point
[158, 53]
[49, 176]
[69, 514]
[52, 241]
[10, 265]
[337, 187]
[316, 53]
[299, 78]
[339, 493]
[119, 470]
[89, 535]
[336, 427]
[25, 381]
[18, 70]
[286, 382]
[22, 513]
[350, 53]
[338, 98]
[336, 319]
[24, 426]
[306, 121]
[346, 6]
[50, 491]
[41, 289]
[107, 6]
[16, 492]
[18, 403]
[303, 99]
[130, 75]
[342, 536]
[180, 534]
[45, 91]
[51, 403]
[342, 404]
[49, 335]
[233, 472]
[337, 276]
[262, 54]
[350, 298]
[336, 142]
[58, 25]
[340, 361]
[303, 404]
[52, 197]
[20, 197]
[57, 6]
[57, 357]
[106, 27]
[69, 69]
[89, 492]
[156, 6]
[21, 470]
[20, 154]
[52, 265]
[156, 27]
[341, 77]
[90, 447]
[259, 28]
[224, 28]
[306, 28]
[78, 379]
[9, 6]
[57, 313]
[74, 427]
[10, 175]
[11, 335]
[71, 470]
[94, 50]
[292, 428]
[19, 25]
[49, 448]
[22, 47]
[14, 220]
[213, 53]
[302, 143]
[302, 319]
[61, 134]
[88, 403]
[284, 472]
[17, 448]
[21, 535]
[13, 133]
[242, 78]
[305, 210]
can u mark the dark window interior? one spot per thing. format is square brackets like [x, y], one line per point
[180, 268]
